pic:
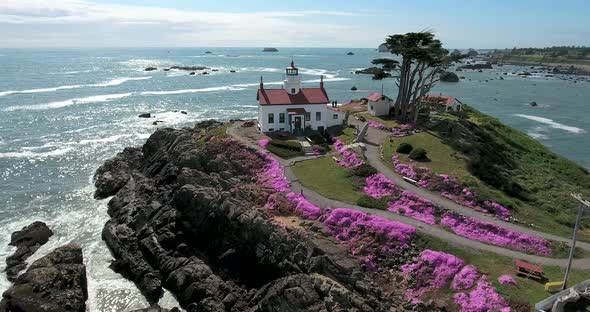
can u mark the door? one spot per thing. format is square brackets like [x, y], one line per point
[297, 128]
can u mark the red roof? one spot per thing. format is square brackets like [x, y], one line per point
[375, 96]
[445, 100]
[282, 97]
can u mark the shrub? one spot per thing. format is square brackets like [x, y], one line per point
[315, 136]
[370, 202]
[404, 148]
[418, 154]
[293, 146]
[364, 171]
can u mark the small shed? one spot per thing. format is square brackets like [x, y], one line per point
[378, 104]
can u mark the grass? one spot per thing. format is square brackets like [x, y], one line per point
[494, 265]
[324, 176]
[344, 134]
[508, 166]
[442, 157]
[385, 120]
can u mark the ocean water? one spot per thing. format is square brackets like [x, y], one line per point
[63, 112]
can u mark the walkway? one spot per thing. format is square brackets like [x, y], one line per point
[431, 230]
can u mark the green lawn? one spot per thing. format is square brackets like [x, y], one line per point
[324, 176]
[494, 265]
[442, 157]
[344, 134]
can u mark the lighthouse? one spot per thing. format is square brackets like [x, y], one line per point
[292, 82]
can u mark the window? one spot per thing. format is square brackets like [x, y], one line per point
[292, 90]
[318, 116]
[281, 117]
[335, 116]
[271, 129]
[307, 116]
[271, 118]
[282, 129]
[371, 107]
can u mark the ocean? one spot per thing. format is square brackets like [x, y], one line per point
[64, 112]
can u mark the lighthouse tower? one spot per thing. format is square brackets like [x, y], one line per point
[292, 82]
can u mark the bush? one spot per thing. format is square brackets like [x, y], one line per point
[404, 148]
[293, 146]
[364, 171]
[418, 154]
[315, 136]
[370, 202]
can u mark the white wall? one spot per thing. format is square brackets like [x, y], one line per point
[379, 108]
[264, 110]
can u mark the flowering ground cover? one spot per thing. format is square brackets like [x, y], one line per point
[493, 234]
[506, 279]
[304, 207]
[413, 206]
[483, 298]
[397, 131]
[436, 269]
[349, 159]
[449, 187]
[368, 236]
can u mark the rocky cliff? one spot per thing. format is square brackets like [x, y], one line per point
[186, 215]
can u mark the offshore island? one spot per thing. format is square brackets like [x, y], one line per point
[411, 202]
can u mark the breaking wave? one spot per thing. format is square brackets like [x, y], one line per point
[110, 83]
[222, 88]
[31, 154]
[76, 101]
[552, 123]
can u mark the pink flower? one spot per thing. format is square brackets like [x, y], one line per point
[379, 186]
[465, 279]
[410, 205]
[272, 175]
[304, 207]
[494, 234]
[483, 298]
[263, 142]
[506, 279]
[349, 157]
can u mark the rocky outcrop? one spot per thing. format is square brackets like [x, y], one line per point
[382, 48]
[188, 68]
[486, 65]
[448, 77]
[350, 53]
[56, 282]
[150, 68]
[145, 115]
[270, 50]
[378, 73]
[186, 215]
[26, 241]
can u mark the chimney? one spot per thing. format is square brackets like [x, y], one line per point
[322, 81]
[261, 83]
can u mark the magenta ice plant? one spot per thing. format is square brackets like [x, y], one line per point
[483, 298]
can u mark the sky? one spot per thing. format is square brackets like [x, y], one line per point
[480, 24]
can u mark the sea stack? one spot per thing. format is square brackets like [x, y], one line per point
[270, 50]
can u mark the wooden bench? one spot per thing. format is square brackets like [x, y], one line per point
[529, 270]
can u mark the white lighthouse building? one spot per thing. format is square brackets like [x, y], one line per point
[293, 108]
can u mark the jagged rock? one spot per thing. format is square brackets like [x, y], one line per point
[192, 73]
[232, 71]
[157, 308]
[145, 115]
[56, 282]
[353, 88]
[349, 53]
[27, 241]
[208, 52]
[150, 68]
[183, 112]
[533, 103]
[525, 74]
[486, 65]
[270, 50]
[449, 77]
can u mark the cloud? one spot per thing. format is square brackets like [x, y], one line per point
[57, 23]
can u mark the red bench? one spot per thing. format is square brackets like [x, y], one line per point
[529, 270]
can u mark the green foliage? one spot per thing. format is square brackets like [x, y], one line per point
[418, 154]
[285, 149]
[315, 136]
[387, 64]
[370, 202]
[364, 171]
[404, 148]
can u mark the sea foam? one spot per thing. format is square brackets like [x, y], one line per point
[552, 123]
[76, 101]
[109, 83]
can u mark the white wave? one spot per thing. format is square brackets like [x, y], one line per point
[317, 72]
[30, 154]
[118, 81]
[110, 83]
[552, 123]
[76, 101]
[110, 139]
[222, 88]
[325, 80]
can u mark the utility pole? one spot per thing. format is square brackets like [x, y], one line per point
[583, 203]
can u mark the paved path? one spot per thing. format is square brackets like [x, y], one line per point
[431, 230]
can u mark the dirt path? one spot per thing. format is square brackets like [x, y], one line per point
[431, 230]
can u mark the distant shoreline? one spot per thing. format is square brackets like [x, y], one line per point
[583, 68]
